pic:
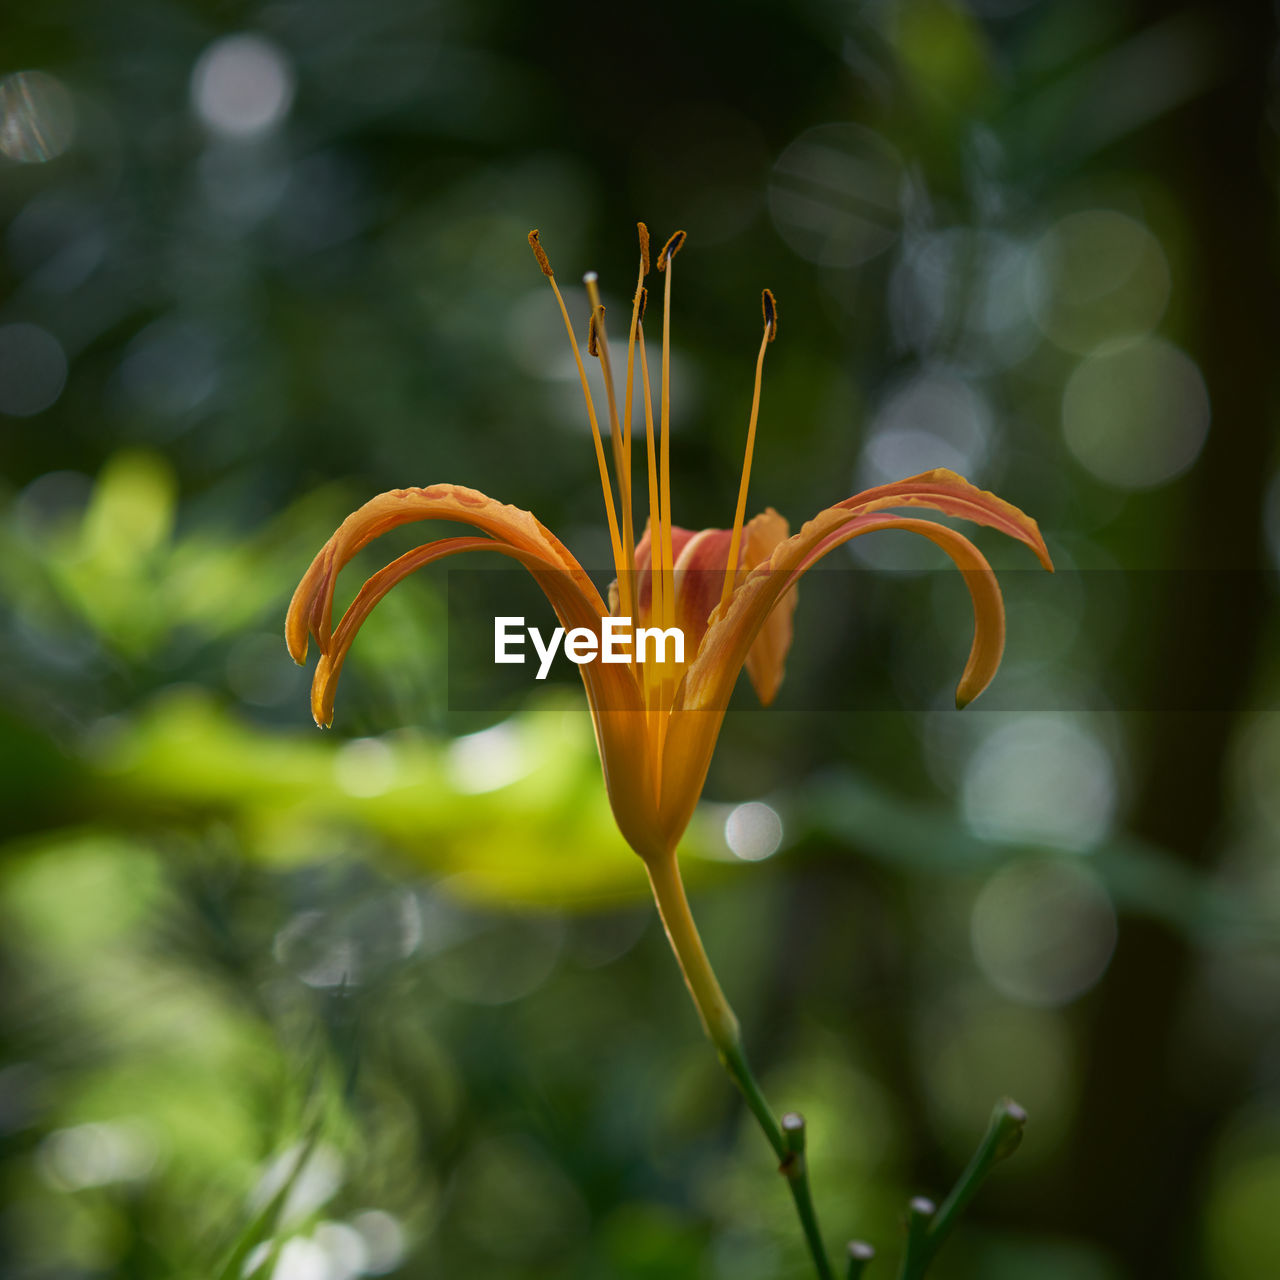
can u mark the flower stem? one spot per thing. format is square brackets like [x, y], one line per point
[718, 1018]
[795, 1168]
[788, 1138]
[927, 1228]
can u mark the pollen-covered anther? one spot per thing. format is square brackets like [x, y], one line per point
[595, 326]
[644, 302]
[644, 248]
[540, 253]
[670, 249]
[769, 305]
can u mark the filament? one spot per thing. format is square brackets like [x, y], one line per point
[655, 511]
[669, 251]
[614, 539]
[637, 311]
[598, 346]
[770, 309]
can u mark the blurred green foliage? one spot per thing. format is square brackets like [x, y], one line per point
[391, 1000]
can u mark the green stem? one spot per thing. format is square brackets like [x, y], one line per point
[721, 1026]
[1004, 1133]
[795, 1168]
[927, 1230]
[860, 1254]
[734, 1061]
[919, 1250]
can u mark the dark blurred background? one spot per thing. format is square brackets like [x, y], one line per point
[392, 1000]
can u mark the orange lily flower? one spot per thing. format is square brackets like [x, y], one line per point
[731, 591]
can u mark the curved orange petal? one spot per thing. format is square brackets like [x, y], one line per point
[311, 609]
[712, 674]
[953, 495]
[324, 684]
[940, 489]
[612, 693]
[610, 686]
[703, 697]
[766, 659]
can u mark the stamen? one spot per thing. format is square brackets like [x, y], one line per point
[657, 609]
[598, 345]
[770, 309]
[637, 311]
[541, 254]
[615, 541]
[655, 510]
[669, 251]
[597, 319]
[769, 306]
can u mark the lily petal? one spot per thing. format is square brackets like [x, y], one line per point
[766, 659]
[617, 710]
[953, 495]
[609, 685]
[703, 696]
[324, 685]
[311, 609]
[712, 674]
[700, 560]
[680, 538]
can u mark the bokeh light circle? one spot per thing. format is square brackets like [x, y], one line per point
[753, 831]
[500, 961]
[835, 194]
[37, 117]
[384, 1240]
[365, 767]
[33, 369]
[966, 293]
[242, 86]
[934, 419]
[1103, 278]
[1043, 931]
[488, 760]
[1136, 416]
[1041, 779]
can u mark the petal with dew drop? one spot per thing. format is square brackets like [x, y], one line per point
[311, 609]
[953, 495]
[612, 692]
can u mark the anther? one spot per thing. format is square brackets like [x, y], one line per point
[540, 253]
[644, 302]
[595, 324]
[670, 249]
[644, 248]
[769, 305]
